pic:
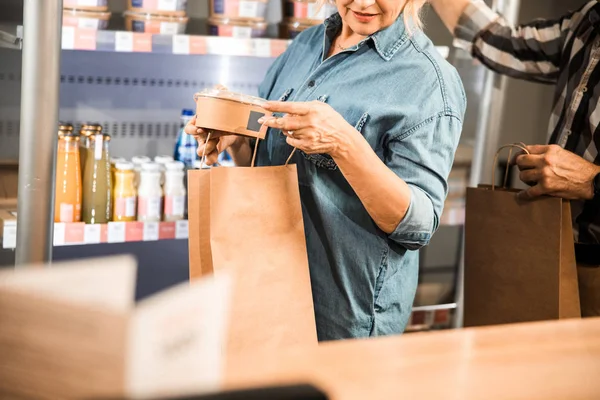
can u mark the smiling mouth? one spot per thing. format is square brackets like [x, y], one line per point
[365, 17]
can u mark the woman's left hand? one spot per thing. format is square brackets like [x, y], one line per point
[313, 127]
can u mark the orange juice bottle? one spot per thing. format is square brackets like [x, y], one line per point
[67, 201]
[124, 194]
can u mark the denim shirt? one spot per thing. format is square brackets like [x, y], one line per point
[408, 103]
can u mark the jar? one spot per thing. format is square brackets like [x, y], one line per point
[153, 23]
[163, 7]
[138, 161]
[239, 9]
[124, 194]
[67, 195]
[95, 20]
[175, 193]
[90, 5]
[243, 29]
[307, 10]
[97, 180]
[150, 193]
[291, 29]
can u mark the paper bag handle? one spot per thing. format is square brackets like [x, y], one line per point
[511, 146]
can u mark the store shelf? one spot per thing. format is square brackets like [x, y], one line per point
[431, 317]
[78, 233]
[11, 35]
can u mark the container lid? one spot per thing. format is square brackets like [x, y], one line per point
[187, 113]
[175, 166]
[224, 94]
[89, 129]
[176, 17]
[163, 159]
[115, 160]
[238, 22]
[151, 166]
[66, 130]
[124, 166]
[73, 12]
[139, 160]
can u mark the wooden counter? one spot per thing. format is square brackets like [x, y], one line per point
[548, 360]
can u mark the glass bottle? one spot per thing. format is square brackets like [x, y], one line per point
[124, 195]
[175, 192]
[150, 194]
[84, 141]
[97, 182]
[67, 195]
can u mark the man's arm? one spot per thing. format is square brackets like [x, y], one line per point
[530, 51]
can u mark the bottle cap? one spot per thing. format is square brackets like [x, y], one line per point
[187, 113]
[124, 166]
[150, 166]
[115, 160]
[163, 159]
[175, 166]
[139, 160]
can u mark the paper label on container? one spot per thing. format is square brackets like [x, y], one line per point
[68, 38]
[124, 41]
[88, 23]
[9, 237]
[175, 332]
[92, 233]
[169, 28]
[241, 32]
[59, 234]
[151, 231]
[167, 5]
[248, 9]
[181, 44]
[98, 146]
[116, 232]
[175, 205]
[66, 212]
[150, 207]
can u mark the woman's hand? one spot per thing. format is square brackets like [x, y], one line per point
[313, 127]
[219, 141]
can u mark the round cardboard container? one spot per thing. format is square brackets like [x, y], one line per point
[96, 20]
[88, 5]
[307, 11]
[255, 10]
[157, 7]
[242, 29]
[151, 23]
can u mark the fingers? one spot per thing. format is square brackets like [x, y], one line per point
[287, 123]
[531, 193]
[291, 107]
[538, 149]
[526, 161]
[530, 175]
[191, 128]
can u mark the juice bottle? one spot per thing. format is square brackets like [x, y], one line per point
[67, 202]
[138, 161]
[85, 132]
[175, 193]
[150, 194]
[124, 195]
[97, 182]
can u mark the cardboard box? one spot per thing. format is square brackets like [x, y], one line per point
[221, 110]
[9, 170]
[73, 332]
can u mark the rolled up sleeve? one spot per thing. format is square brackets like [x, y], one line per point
[423, 158]
[476, 17]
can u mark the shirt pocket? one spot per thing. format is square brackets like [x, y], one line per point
[325, 160]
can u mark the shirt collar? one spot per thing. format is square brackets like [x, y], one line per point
[387, 41]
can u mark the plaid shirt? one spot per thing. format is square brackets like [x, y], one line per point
[563, 52]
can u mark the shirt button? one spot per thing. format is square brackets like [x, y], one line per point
[311, 84]
[584, 89]
[568, 132]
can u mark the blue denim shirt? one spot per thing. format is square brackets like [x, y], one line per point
[408, 103]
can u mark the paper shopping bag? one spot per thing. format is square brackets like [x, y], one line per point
[250, 220]
[519, 259]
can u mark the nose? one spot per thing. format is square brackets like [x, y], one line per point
[364, 4]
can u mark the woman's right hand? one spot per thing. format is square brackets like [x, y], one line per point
[219, 141]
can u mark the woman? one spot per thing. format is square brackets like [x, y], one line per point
[375, 114]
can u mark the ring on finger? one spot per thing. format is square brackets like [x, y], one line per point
[290, 133]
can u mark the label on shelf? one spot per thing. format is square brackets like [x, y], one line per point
[166, 230]
[262, 48]
[124, 41]
[68, 38]
[181, 229]
[134, 231]
[151, 231]
[116, 232]
[9, 236]
[59, 234]
[181, 44]
[92, 234]
[74, 233]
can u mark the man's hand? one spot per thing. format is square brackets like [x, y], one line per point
[557, 172]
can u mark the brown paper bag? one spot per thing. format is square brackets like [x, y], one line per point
[249, 220]
[519, 258]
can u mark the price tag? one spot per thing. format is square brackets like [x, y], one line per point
[59, 234]
[9, 237]
[262, 47]
[68, 38]
[181, 229]
[116, 232]
[88, 23]
[242, 32]
[92, 233]
[124, 41]
[150, 231]
[248, 9]
[167, 5]
[181, 44]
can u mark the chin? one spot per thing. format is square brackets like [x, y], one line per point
[363, 29]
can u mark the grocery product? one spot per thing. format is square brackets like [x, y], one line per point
[291, 29]
[165, 7]
[138, 161]
[84, 141]
[186, 145]
[97, 181]
[149, 193]
[124, 194]
[153, 23]
[244, 29]
[67, 201]
[163, 160]
[96, 20]
[175, 192]
[307, 10]
[239, 9]
[222, 110]
[90, 5]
